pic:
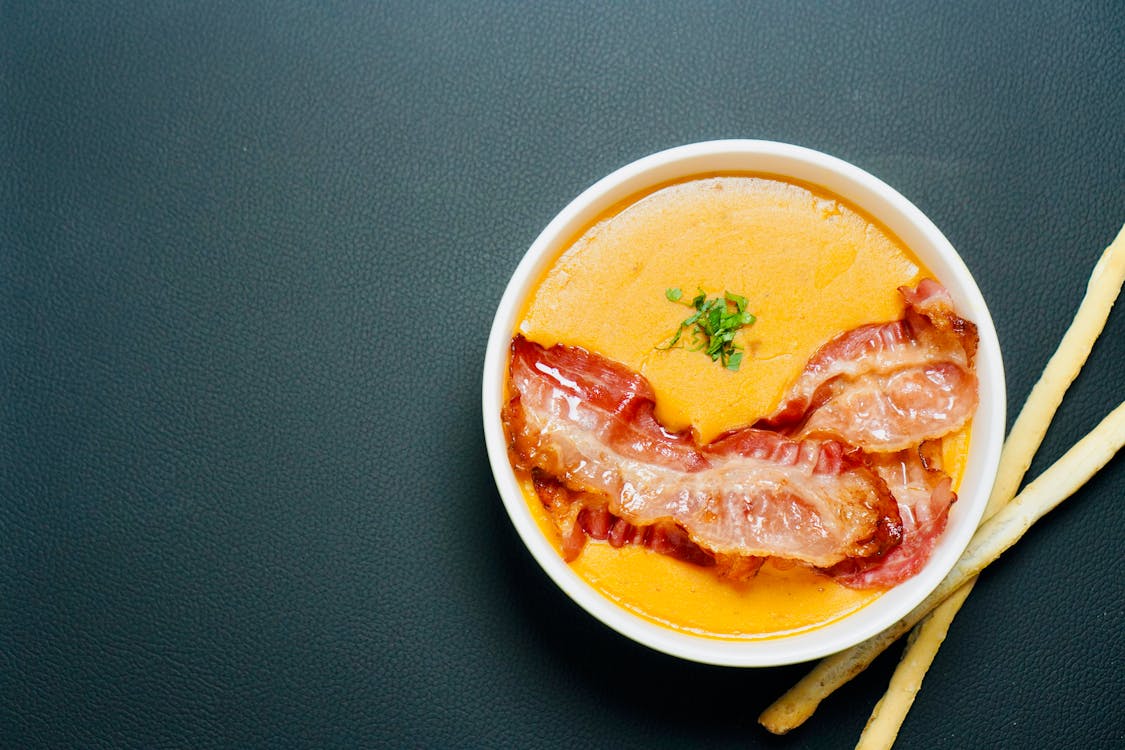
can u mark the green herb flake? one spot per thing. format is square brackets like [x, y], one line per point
[713, 326]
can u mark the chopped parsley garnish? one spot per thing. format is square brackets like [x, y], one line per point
[712, 326]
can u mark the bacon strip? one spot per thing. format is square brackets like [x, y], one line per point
[588, 423]
[924, 493]
[887, 386]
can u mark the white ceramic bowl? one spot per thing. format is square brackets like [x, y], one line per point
[903, 219]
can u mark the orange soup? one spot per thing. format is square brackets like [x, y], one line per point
[811, 267]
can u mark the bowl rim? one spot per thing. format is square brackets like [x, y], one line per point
[879, 201]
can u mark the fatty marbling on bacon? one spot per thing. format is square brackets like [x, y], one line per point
[925, 494]
[884, 387]
[588, 423]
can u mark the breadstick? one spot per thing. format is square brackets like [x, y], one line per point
[1019, 449]
[921, 648]
[1105, 283]
[1053, 486]
[1061, 370]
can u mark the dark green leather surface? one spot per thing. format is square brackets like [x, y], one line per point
[249, 254]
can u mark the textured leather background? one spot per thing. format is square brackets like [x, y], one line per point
[249, 254]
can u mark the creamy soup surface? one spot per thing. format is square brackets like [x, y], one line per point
[811, 267]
